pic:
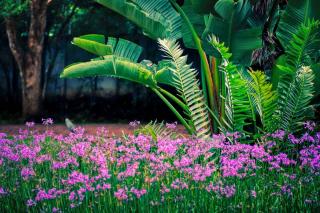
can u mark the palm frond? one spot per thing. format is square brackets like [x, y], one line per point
[294, 105]
[186, 82]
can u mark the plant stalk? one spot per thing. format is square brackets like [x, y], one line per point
[179, 116]
[203, 56]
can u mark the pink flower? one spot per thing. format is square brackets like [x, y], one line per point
[72, 196]
[81, 149]
[30, 202]
[47, 121]
[2, 191]
[171, 125]
[27, 173]
[253, 193]
[121, 194]
[30, 124]
[134, 123]
[138, 193]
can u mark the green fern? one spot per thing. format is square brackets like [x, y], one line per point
[294, 105]
[298, 52]
[238, 109]
[186, 82]
[156, 130]
[264, 98]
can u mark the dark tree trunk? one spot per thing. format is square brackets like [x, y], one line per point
[29, 61]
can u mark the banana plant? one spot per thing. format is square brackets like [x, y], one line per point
[231, 97]
[118, 58]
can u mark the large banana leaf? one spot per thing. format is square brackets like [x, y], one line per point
[95, 44]
[203, 6]
[157, 18]
[229, 24]
[232, 29]
[111, 66]
[298, 12]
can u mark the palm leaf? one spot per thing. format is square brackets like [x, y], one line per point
[157, 18]
[187, 85]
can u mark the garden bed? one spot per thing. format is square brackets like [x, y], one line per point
[49, 172]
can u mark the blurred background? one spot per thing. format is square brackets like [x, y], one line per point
[32, 58]
[83, 100]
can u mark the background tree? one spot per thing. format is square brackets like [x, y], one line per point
[27, 53]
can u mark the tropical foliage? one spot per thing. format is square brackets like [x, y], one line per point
[226, 35]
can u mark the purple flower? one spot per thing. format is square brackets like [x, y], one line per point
[30, 124]
[121, 194]
[47, 121]
[27, 173]
[3, 135]
[2, 191]
[279, 134]
[253, 193]
[30, 203]
[54, 210]
[171, 125]
[309, 125]
[286, 189]
[138, 193]
[134, 123]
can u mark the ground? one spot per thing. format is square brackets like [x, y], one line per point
[116, 129]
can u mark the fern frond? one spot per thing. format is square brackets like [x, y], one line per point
[238, 109]
[299, 52]
[264, 98]
[302, 44]
[294, 106]
[186, 83]
[156, 130]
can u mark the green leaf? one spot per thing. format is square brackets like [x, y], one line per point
[93, 44]
[203, 6]
[299, 51]
[238, 108]
[187, 85]
[111, 66]
[297, 13]
[294, 104]
[264, 98]
[157, 18]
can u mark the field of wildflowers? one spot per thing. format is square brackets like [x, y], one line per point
[47, 172]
